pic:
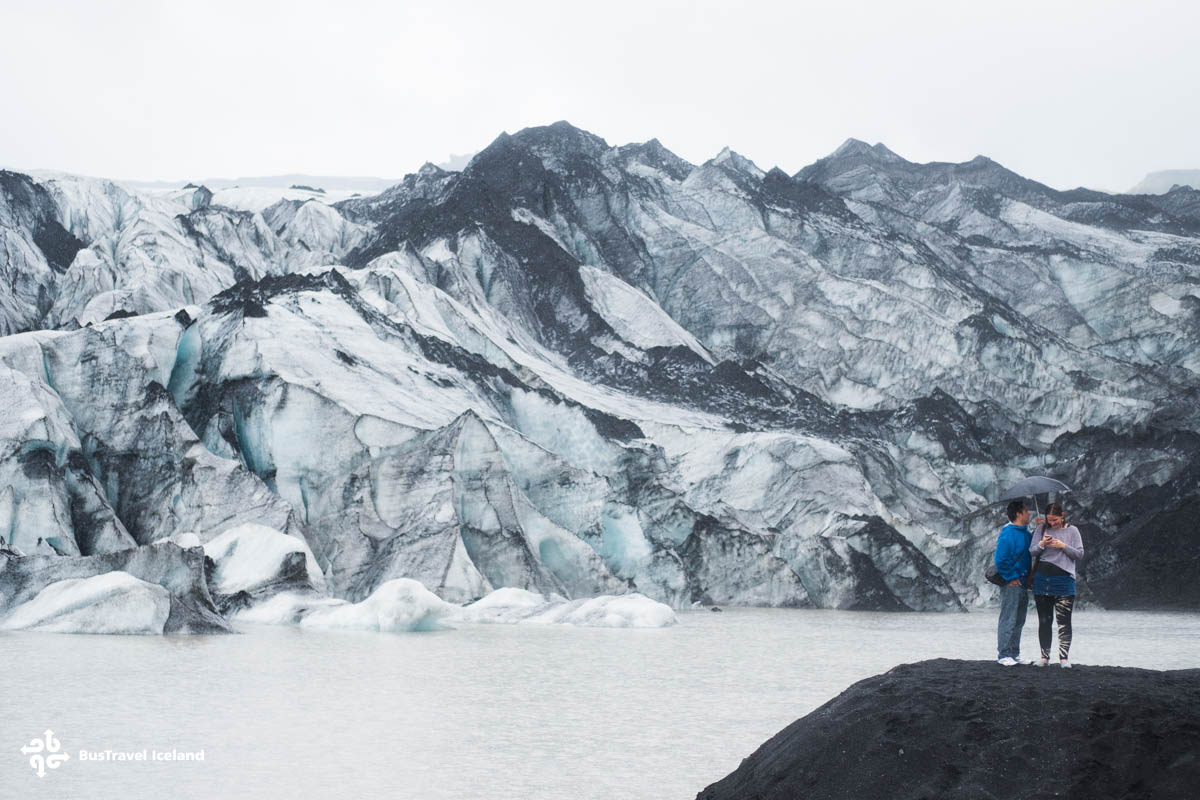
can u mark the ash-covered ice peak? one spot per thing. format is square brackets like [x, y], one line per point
[857, 147]
[736, 161]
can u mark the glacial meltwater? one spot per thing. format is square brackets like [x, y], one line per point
[483, 712]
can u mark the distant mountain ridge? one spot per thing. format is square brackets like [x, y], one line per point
[1163, 181]
[349, 183]
[357, 183]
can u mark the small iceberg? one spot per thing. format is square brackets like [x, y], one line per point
[285, 608]
[113, 602]
[402, 604]
[512, 606]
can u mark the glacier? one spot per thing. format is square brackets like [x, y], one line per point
[579, 370]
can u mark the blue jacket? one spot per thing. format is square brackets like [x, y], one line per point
[1012, 552]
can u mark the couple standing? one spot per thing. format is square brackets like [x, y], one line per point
[1058, 547]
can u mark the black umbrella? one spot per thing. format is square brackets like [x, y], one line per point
[1032, 487]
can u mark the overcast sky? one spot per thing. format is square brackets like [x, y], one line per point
[1069, 93]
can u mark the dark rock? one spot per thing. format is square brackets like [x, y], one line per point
[57, 244]
[250, 297]
[962, 729]
[1142, 547]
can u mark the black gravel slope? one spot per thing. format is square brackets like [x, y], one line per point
[975, 730]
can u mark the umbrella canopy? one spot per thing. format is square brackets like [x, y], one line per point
[1028, 487]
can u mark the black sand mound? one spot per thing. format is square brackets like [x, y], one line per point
[976, 730]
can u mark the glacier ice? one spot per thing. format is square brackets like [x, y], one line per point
[624, 374]
[285, 608]
[114, 602]
[518, 606]
[248, 556]
[180, 571]
[395, 606]
[185, 539]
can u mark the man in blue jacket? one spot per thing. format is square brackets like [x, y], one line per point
[1013, 563]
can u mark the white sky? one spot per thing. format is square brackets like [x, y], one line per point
[1091, 93]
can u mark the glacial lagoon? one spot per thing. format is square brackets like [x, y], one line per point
[502, 712]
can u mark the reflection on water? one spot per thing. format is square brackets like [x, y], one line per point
[481, 712]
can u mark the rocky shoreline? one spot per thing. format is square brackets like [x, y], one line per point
[965, 729]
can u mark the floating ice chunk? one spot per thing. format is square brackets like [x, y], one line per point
[518, 606]
[114, 602]
[609, 611]
[286, 608]
[397, 605]
[250, 555]
[505, 605]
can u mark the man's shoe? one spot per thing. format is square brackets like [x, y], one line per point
[1007, 661]
[1023, 661]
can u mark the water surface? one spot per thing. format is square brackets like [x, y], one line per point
[485, 711]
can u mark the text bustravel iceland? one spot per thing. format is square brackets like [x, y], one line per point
[145, 754]
[46, 754]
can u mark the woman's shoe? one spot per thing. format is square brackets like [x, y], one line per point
[1045, 662]
[1064, 663]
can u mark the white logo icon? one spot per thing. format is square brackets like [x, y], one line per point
[48, 745]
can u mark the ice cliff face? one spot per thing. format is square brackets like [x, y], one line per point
[586, 370]
[82, 250]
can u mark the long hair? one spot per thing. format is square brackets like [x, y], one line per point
[1057, 510]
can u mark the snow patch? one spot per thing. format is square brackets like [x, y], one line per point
[438, 250]
[846, 392]
[184, 540]
[635, 317]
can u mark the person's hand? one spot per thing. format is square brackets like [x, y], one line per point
[1039, 521]
[1046, 540]
[1059, 543]
[1015, 582]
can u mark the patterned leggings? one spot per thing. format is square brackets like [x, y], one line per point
[1049, 606]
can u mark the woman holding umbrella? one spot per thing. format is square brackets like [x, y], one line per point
[1058, 547]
